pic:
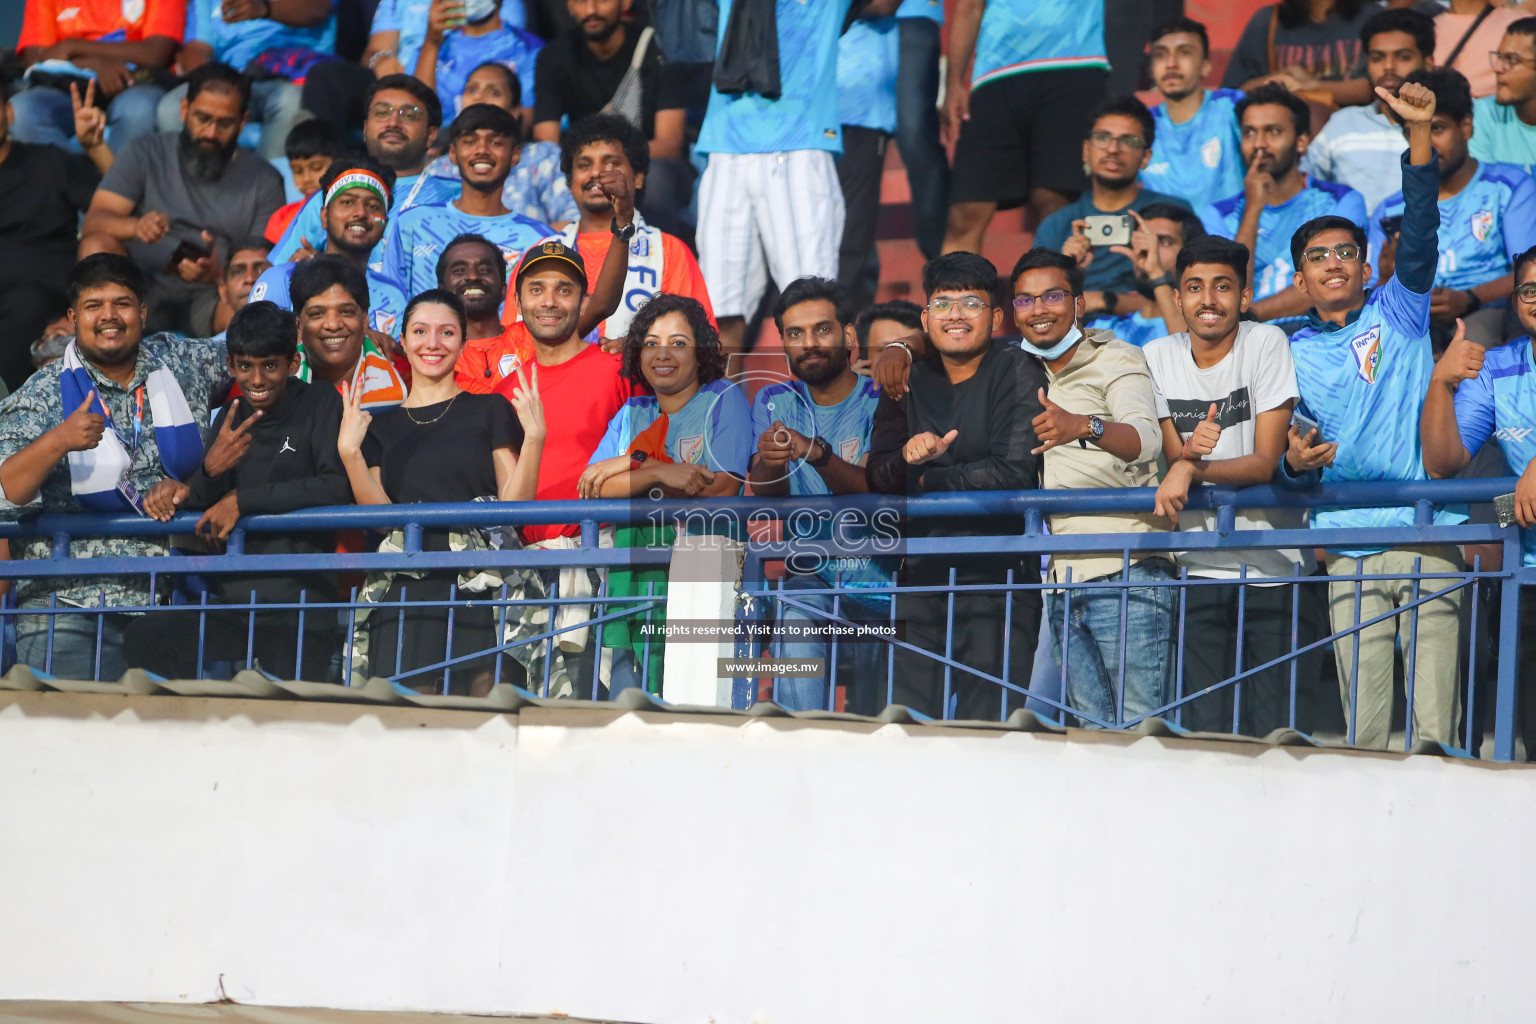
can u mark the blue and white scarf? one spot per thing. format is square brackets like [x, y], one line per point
[94, 474]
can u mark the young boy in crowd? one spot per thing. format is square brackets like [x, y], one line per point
[273, 450]
[310, 148]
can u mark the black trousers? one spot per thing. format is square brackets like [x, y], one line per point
[165, 642]
[1210, 656]
[858, 171]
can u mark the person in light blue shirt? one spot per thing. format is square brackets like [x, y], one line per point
[1277, 199]
[461, 52]
[1487, 218]
[813, 433]
[1476, 397]
[868, 55]
[400, 26]
[1360, 145]
[357, 193]
[1197, 156]
[305, 28]
[483, 146]
[1363, 365]
[1506, 121]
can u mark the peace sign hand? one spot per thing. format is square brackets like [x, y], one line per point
[525, 398]
[90, 120]
[354, 421]
[230, 446]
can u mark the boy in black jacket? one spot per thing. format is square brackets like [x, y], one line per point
[273, 450]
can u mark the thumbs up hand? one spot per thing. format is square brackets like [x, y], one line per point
[1202, 440]
[1057, 426]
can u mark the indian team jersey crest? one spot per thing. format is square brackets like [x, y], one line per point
[1210, 153]
[691, 448]
[258, 291]
[1366, 348]
[848, 449]
[133, 11]
[508, 364]
[1482, 222]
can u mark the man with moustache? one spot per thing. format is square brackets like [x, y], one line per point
[194, 188]
[964, 425]
[1277, 198]
[95, 431]
[330, 297]
[1197, 156]
[473, 268]
[1099, 429]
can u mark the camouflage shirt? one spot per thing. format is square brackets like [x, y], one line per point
[199, 367]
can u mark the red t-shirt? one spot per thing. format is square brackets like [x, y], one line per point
[49, 21]
[580, 397]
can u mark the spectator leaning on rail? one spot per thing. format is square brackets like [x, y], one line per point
[813, 434]
[1224, 392]
[1197, 155]
[1363, 365]
[273, 450]
[1487, 218]
[1099, 429]
[95, 431]
[1162, 230]
[1474, 396]
[963, 425]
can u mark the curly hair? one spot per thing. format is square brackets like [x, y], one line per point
[706, 340]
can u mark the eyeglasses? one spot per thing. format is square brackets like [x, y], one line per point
[970, 305]
[1504, 61]
[1347, 252]
[1103, 140]
[1527, 293]
[1055, 298]
[410, 113]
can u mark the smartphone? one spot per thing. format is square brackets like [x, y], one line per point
[187, 251]
[1109, 229]
[1306, 424]
[1392, 225]
[1504, 506]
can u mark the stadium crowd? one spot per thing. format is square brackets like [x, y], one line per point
[276, 256]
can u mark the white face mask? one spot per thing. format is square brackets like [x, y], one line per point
[476, 11]
[1055, 351]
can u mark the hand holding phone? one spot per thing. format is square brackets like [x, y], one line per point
[1108, 229]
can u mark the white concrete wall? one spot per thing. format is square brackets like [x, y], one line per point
[698, 869]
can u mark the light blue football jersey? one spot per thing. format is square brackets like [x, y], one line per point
[1500, 402]
[417, 237]
[237, 43]
[1273, 271]
[1019, 36]
[1132, 328]
[1200, 160]
[867, 58]
[386, 299]
[1500, 137]
[460, 54]
[713, 430]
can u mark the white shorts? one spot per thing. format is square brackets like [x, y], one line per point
[767, 213]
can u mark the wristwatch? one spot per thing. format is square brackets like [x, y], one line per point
[1158, 282]
[623, 234]
[636, 457]
[826, 452]
[1095, 427]
[1473, 302]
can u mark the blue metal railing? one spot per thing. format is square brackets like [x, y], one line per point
[1028, 509]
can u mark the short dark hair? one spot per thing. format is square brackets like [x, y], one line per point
[1453, 93]
[1213, 249]
[1188, 223]
[244, 244]
[312, 138]
[1523, 27]
[959, 272]
[706, 340]
[1273, 94]
[214, 75]
[1131, 107]
[1183, 24]
[514, 84]
[813, 289]
[105, 268]
[605, 128]
[908, 314]
[485, 117]
[1529, 256]
[263, 329]
[354, 160]
[1041, 258]
[413, 85]
[321, 273]
[469, 238]
[1316, 226]
[1402, 19]
[441, 297]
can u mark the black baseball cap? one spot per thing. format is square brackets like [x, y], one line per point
[551, 249]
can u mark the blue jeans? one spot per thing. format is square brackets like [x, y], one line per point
[45, 116]
[917, 130]
[810, 693]
[275, 104]
[74, 644]
[1093, 642]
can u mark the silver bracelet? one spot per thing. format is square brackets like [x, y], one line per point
[903, 345]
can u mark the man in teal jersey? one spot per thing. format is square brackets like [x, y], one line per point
[1506, 121]
[1197, 155]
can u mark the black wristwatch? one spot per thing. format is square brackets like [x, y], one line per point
[1473, 302]
[824, 457]
[1158, 282]
[636, 457]
[623, 234]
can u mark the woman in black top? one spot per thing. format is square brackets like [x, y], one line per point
[440, 445]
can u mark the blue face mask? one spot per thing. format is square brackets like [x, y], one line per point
[1057, 350]
[476, 11]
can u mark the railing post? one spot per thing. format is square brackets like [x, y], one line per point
[1509, 652]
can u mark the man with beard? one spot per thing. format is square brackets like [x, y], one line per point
[1487, 219]
[187, 195]
[1197, 156]
[330, 297]
[965, 425]
[474, 269]
[1118, 147]
[484, 146]
[402, 115]
[1359, 146]
[1224, 393]
[578, 76]
[813, 438]
[357, 200]
[94, 431]
[1277, 198]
